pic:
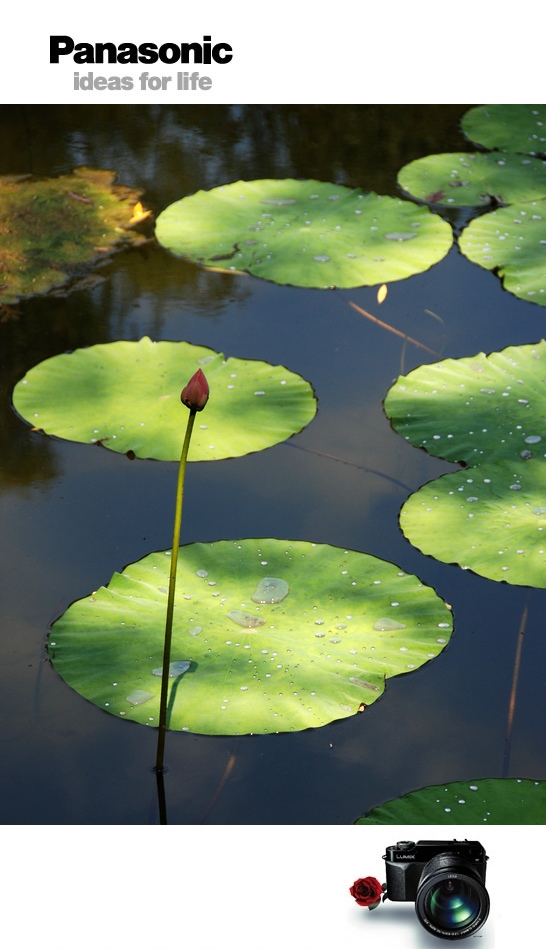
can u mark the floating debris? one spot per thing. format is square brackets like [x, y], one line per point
[363, 684]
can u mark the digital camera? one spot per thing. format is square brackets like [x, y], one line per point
[445, 879]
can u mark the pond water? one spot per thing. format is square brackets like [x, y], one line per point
[72, 514]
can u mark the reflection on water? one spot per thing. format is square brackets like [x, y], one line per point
[73, 514]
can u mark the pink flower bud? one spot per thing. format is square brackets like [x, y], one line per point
[196, 394]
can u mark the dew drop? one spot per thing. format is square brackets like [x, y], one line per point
[270, 590]
[400, 236]
[245, 619]
[385, 623]
[278, 202]
[139, 696]
[202, 573]
[321, 258]
[175, 668]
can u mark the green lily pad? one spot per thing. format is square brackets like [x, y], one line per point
[516, 128]
[486, 412]
[486, 801]
[126, 395]
[280, 636]
[511, 241]
[53, 230]
[305, 233]
[468, 180]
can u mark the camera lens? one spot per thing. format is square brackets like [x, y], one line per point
[452, 904]
[451, 900]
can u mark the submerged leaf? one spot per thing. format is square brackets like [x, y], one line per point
[126, 395]
[301, 656]
[305, 233]
[54, 229]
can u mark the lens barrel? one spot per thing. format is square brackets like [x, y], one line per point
[451, 900]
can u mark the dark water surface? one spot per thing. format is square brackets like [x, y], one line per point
[71, 514]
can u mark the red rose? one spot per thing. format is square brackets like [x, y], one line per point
[195, 395]
[367, 891]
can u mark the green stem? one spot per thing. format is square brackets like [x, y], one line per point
[170, 601]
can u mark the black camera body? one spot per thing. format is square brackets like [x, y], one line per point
[445, 879]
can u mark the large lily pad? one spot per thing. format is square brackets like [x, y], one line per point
[487, 801]
[512, 241]
[517, 128]
[54, 229]
[126, 395]
[467, 180]
[274, 636]
[305, 233]
[486, 412]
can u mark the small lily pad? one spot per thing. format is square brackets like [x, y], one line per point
[126, 396]
[467, 180]
[485, 801]
[515, 128]
[512, 242]
[53, 230]
[306, 660]
[305, 233]
[488, 413]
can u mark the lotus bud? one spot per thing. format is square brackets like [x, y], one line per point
[196, 394]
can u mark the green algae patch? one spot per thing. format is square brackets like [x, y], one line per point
[54, 230]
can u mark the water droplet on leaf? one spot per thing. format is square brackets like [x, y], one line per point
[139, 696]
[270, 590]
[175, 668]
[385, 623]
[245, 619]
